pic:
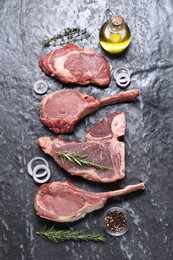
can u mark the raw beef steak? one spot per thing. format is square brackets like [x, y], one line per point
[64, 202]
[102, 147]
[62, 109]
[72, 64]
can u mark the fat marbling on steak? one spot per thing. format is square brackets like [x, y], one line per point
[61, 110]
[64, 202]
[72, 64]
[102, 147]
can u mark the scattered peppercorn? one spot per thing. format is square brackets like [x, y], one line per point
[116, 221]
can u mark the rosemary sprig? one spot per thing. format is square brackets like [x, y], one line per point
[54, 235]
[69, 34]
[80, 160]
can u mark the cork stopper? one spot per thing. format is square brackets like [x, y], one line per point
[117, 20]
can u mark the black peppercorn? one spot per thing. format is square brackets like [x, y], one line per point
[116, 221]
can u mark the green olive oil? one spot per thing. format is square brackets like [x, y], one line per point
[112, 42]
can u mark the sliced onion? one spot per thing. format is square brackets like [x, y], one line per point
[29, 166]
[37, 177]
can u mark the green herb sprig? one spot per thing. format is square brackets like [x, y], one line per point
[80, 160]
[69, 34]
[54, 235]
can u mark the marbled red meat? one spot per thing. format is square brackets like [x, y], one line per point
[72, 64]
[62, 109]
[64, 202]
[102, 147]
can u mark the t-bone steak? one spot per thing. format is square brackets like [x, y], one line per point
[102, 147]
[72, 64]
[64, 202]
[61, 110]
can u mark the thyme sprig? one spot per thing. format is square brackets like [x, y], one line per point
[54, 235]
[69, 34]
[80, 160]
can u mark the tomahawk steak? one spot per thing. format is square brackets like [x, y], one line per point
[72, 64]
[102, 147]
[64, 202]
[62, 109]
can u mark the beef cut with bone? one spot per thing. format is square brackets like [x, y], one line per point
[64, 202]
[72, 64]
[102, 147]
[61, 110]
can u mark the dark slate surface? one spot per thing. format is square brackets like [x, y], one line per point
[149, 137]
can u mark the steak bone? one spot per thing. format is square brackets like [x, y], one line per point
[64, 202]
[61, 110]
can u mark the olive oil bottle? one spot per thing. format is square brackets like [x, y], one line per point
[114, 35]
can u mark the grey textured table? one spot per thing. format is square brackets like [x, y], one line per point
[149, 135]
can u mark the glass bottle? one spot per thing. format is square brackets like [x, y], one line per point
[114, 34]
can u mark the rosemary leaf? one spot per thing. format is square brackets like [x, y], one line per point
[80, 160]
[69, 34]
[54, 235]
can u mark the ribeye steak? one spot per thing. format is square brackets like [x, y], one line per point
[72, 64]
[62, 109]
[102, 147]
[64, 202]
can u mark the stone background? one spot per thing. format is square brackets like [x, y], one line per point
[149, 136]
